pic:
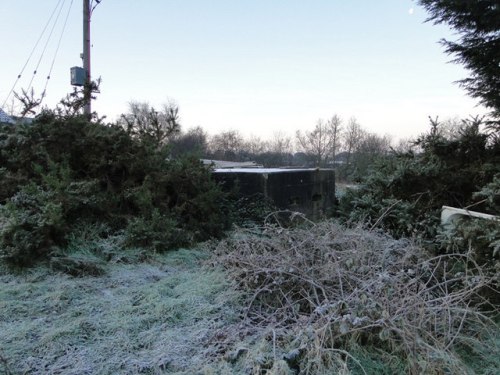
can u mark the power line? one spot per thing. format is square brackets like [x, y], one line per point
[92, 6]
[31, 54]
[46, 44]
[57, 50]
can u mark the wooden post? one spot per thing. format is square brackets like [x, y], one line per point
[87, 88]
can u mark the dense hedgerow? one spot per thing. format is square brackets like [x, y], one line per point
[60, 172]
[404, 193]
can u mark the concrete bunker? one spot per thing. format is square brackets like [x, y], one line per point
[309, 191]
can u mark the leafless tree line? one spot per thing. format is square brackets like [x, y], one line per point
[333, 142]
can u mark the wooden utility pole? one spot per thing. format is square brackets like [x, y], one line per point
[87, 88]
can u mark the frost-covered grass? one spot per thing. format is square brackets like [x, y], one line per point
[315, 300]
[150, 318]
[328, 299]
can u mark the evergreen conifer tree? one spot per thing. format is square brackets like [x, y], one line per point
[477, 23]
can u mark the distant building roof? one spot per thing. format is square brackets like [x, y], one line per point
[231, 164]
[5, 118]
[268, 170]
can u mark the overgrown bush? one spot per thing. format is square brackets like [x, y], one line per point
[60, 172]
[404, 194]
[159, 232]
[32, 225]
[479, 238]
[325, 299]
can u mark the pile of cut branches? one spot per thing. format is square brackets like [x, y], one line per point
[327, 298]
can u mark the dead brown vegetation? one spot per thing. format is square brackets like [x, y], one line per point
[322, 293]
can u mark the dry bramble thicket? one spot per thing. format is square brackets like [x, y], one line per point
[325, 298]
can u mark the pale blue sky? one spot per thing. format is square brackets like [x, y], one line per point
[258, 66]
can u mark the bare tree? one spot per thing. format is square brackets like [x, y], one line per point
[450, 128]
[226, 145]
[194, 142]
[278, 152]
[281, 143]
[255, 145]
[334, 125]
[149, 124]
[370, 148]
[316, 142]
[374, 144]
[352, 138]
[404, 145]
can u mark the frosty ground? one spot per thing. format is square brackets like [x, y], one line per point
[319, 298]
[151, 317]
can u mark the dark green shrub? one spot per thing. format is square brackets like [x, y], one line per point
[479, 238]
[159, 232]
[404, 194]
[195, 199]
[31, 225]
[64, 172]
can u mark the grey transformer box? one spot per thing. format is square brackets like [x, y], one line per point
[78, 76]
